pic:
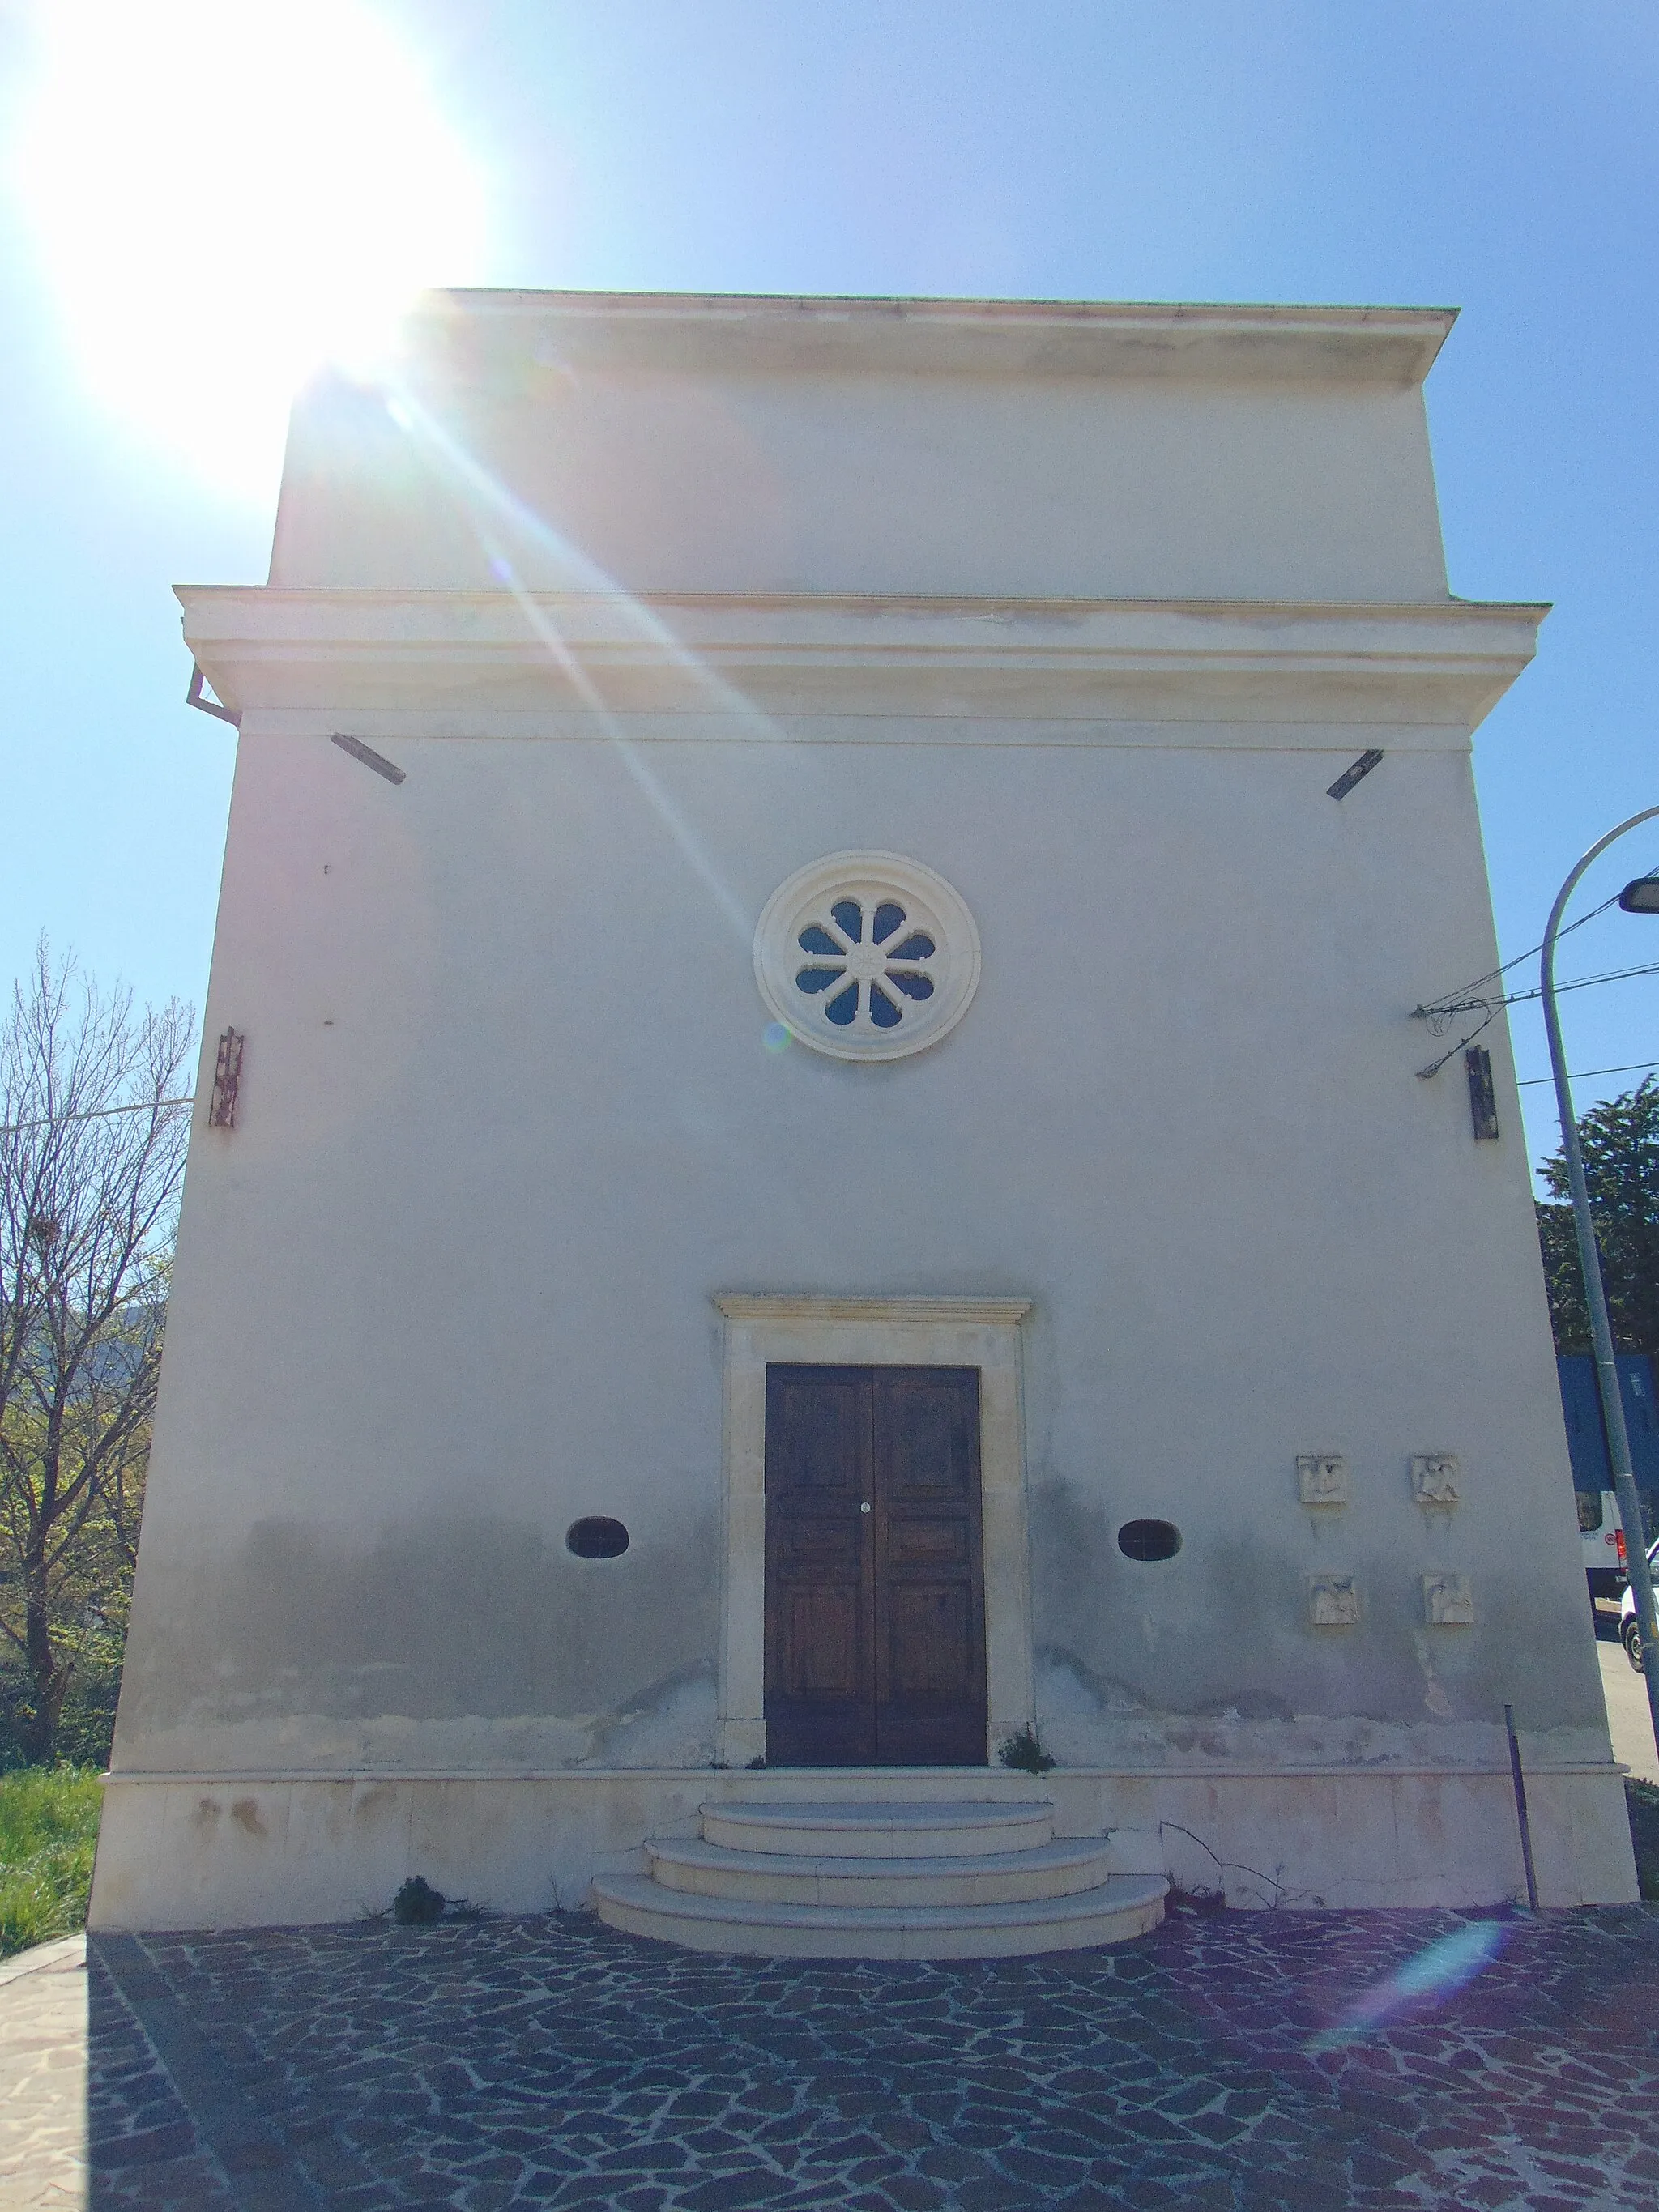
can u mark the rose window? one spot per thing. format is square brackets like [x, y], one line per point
[880, 971]
[866, 955]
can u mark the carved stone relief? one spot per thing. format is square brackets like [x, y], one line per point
[1435, 1479]
[1333, 1600]
[1448, 1602]
[1321, 1478]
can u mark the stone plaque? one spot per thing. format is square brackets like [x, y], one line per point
[1448, 1602]
[1322, 1477]
[1333, 1600]
[1435, 1479]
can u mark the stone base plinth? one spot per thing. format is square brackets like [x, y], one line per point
[196, 1851]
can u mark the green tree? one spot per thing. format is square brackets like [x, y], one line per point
[92, 1151]
[1620, 1142]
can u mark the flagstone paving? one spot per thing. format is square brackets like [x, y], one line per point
[1242, 2061]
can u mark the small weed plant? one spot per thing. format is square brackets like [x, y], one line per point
[418, 1904]
[1024, 1749]
[48, 1830]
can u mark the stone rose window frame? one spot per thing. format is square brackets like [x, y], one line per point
[866, 955]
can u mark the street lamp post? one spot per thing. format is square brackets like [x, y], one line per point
[1639, 897]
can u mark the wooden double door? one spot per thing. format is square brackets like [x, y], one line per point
[875, 1584]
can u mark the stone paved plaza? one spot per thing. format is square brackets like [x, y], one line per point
[1240, 2060]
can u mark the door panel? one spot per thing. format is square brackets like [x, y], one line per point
[875, 1614]
[822, 1647]
[930, 1624]
[820, 1568]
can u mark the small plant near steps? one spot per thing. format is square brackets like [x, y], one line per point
[1024, 1749]
[418, 1904]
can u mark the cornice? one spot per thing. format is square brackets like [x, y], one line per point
[703, 333]
[787, 1305]
[1435, 663]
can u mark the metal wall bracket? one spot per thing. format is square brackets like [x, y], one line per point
[227, 1080]
[194, 697]
[1350, 776]
[369, 757]
[1483, 1099]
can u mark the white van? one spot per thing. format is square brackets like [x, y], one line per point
[1587, 1444]
[1602, 1536]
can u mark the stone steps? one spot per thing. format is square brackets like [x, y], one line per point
[864, 1879]
[1050, 1869]
[874, 1831]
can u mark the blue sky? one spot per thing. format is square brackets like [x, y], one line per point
[1497, 158]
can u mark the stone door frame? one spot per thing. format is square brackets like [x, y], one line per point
[761, 1327]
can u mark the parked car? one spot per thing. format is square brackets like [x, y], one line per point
[1630, 1629]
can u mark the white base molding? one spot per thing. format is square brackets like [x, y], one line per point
[240, 1850]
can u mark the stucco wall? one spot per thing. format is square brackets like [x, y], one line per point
[507, 1121]
[1077, 453]
[510, 1119]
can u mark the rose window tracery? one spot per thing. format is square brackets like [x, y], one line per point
[876, 970]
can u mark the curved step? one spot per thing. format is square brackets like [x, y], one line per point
[884, 1831]
[1125, 1906]
[1056, 1869]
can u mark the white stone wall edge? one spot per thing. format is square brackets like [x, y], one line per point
[191, 1851]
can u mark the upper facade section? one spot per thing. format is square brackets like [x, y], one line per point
[934, 449]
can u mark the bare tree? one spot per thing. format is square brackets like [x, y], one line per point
[93, 1135]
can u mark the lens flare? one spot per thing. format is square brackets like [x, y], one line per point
[492, 512]
[1450, 1963]
[775, 1038]
[224, 194]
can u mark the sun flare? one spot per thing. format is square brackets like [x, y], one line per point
[227, 194]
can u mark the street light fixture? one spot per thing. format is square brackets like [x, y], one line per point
[1641, 897]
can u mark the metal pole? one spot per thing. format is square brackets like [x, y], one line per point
[1595, 1295]
[1519, 1780]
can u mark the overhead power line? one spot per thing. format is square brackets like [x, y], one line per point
[1583, 1075]
[1438, 1016]
[1443, 1010]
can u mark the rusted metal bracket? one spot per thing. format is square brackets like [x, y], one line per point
[1483, 1099]
[227, 1080]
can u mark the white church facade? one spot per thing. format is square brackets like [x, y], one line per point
[810, 1161]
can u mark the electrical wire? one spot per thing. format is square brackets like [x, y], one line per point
[1491, 975]
[1625, 1067]
[1439, 1018]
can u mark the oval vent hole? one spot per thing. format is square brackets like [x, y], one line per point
[596, 1538]
[1149, 1540]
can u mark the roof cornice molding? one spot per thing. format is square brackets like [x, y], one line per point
[712, 333]
[705, 663]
